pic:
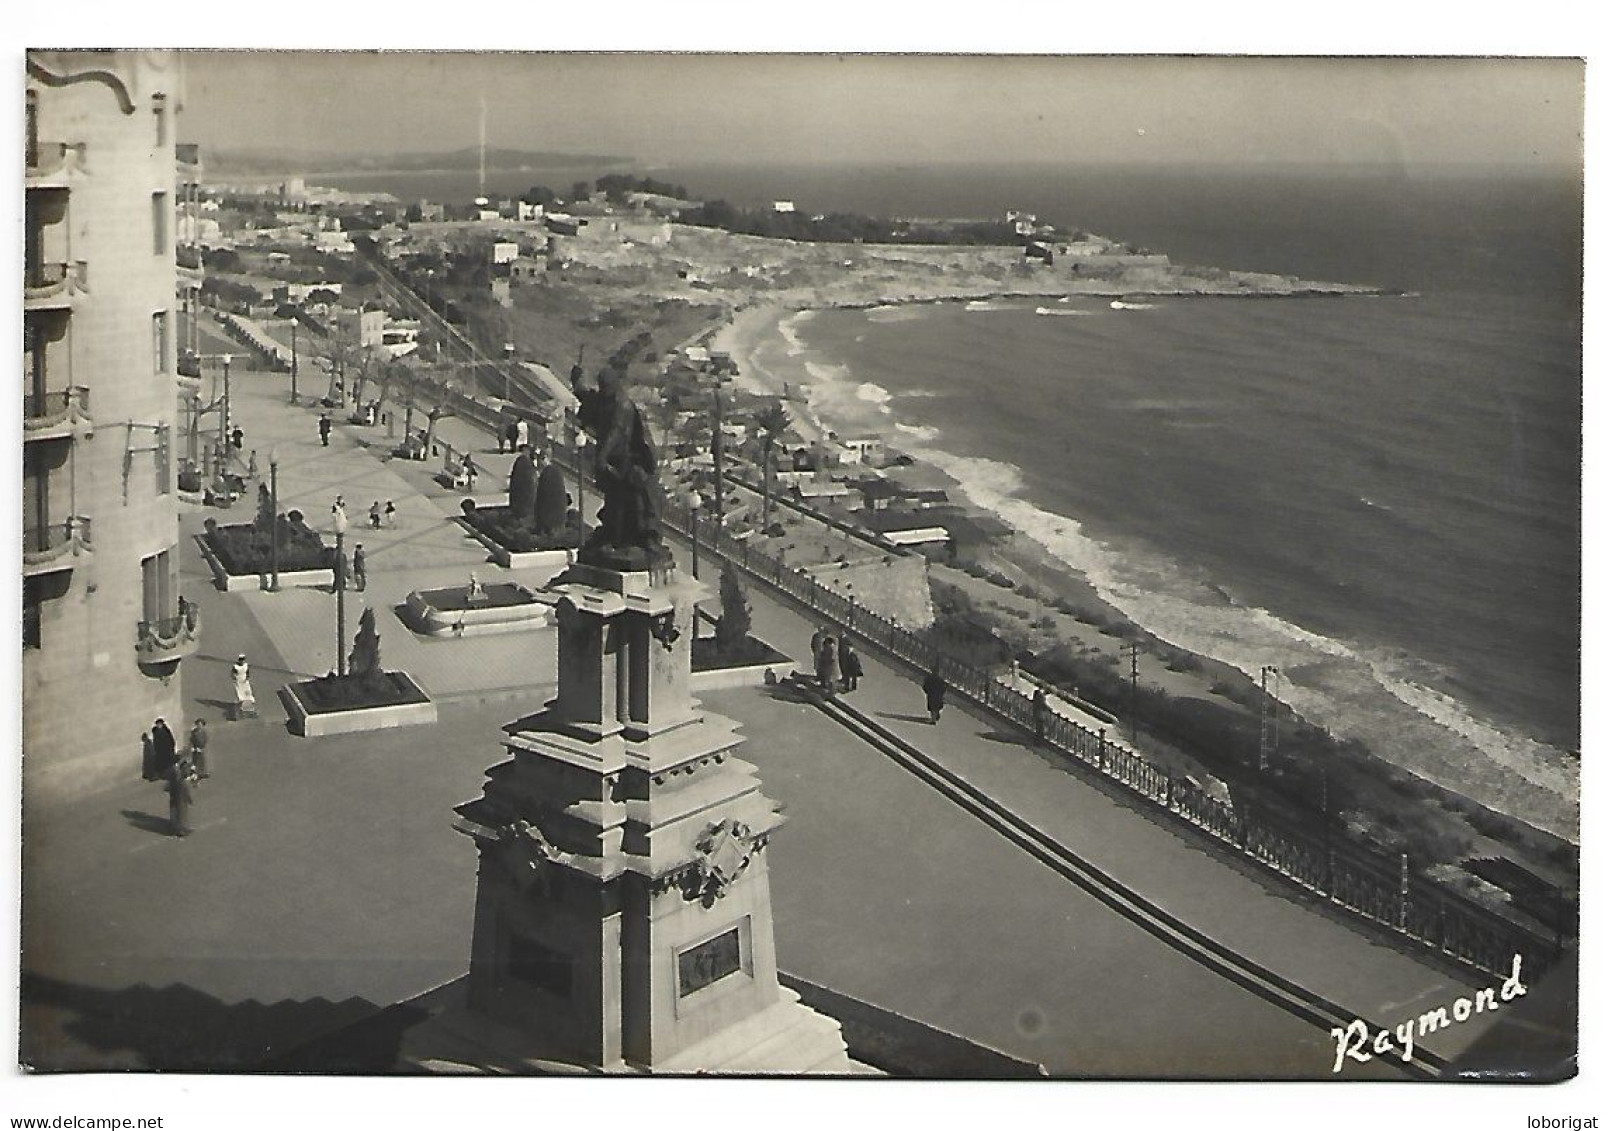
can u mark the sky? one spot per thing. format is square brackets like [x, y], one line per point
[659, 107]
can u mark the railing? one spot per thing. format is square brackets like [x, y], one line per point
[46, 546]
[52, 279]
[169, 638]
[43, 410]
[46, 158]
[1348, 873]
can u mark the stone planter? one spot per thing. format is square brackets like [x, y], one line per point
[312, 722]
[749, 675]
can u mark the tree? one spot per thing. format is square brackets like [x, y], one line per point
[580, 190]
[732, 627]
[552, 500]
[772, 422]
[364, 663]
[523, 489]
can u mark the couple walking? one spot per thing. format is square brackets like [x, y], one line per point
[837, 664]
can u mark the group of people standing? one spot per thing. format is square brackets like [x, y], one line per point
[837, 664]
[177, 770]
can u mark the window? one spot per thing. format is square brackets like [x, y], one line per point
[159, 222]
[32, 611]
[33, 129]
[159, 341]
[157, 589]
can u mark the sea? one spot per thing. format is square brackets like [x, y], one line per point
[1380, 496]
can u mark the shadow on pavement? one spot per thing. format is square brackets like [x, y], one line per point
[180, 1029]
[147, 822]
[905, 718]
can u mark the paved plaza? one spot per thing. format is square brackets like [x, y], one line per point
[325, 883]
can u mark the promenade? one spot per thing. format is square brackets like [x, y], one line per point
[324, 882]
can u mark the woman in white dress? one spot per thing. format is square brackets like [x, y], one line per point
[245, 698]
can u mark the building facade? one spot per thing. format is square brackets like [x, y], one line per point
[104, 629]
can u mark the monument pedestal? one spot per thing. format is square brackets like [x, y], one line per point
[623, 915]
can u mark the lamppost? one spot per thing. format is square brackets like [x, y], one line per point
[508, 371]
[295, 397]
[340, 591]
[580, 480]
[223, 418]
[694, 501]
[718, 450]
[273, 537]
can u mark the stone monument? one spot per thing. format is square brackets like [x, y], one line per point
[623, 914]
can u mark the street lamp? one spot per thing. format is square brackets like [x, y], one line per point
[295, 397]
[273, 537]
[223, 418]
[340, 590]
[580, 480]
[694, 501]
[508, 371]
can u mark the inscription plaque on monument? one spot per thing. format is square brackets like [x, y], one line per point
[708, 962]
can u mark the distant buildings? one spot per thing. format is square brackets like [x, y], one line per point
[103, 629]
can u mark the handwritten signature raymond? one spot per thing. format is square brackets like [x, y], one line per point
[1355, 1038]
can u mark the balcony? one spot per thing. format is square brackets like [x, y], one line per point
[51, 286]
[57, 414]
[54, 546]
[167, 641]
[52, 163]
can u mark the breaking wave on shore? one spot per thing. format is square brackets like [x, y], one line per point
[1378, 696]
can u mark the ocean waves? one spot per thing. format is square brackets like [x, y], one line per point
[1102, 422]
[1353, 689]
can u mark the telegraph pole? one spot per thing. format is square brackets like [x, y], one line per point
[1133, 690]
[718, 448]
[1270, 718]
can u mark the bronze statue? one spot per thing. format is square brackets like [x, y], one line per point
[627, 535]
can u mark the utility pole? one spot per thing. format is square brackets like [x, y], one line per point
[1270, 718]
[340, 592]
[1133, 690]
[718, 447]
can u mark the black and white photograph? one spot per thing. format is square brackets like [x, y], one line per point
[1028, 567]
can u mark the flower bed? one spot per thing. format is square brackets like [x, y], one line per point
[341, 705]
[246, 551]
[516, 537]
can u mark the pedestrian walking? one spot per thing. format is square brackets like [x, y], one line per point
[510, 436]
[148, 769]
[849, 665]
[198, 748]
[238, 439]
[245, 697]
[359, 568]
[181, 792]
[933, 687]
[337, 514]
[164, 749]
[521, 436]
[251, 466]
[470, 470]
[1041, 713]
[826, 665]
[323, 428]
[374, 515]
[390, 513]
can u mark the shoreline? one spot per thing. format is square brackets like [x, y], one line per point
[751, 329]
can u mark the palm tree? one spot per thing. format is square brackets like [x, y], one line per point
[771, 422]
